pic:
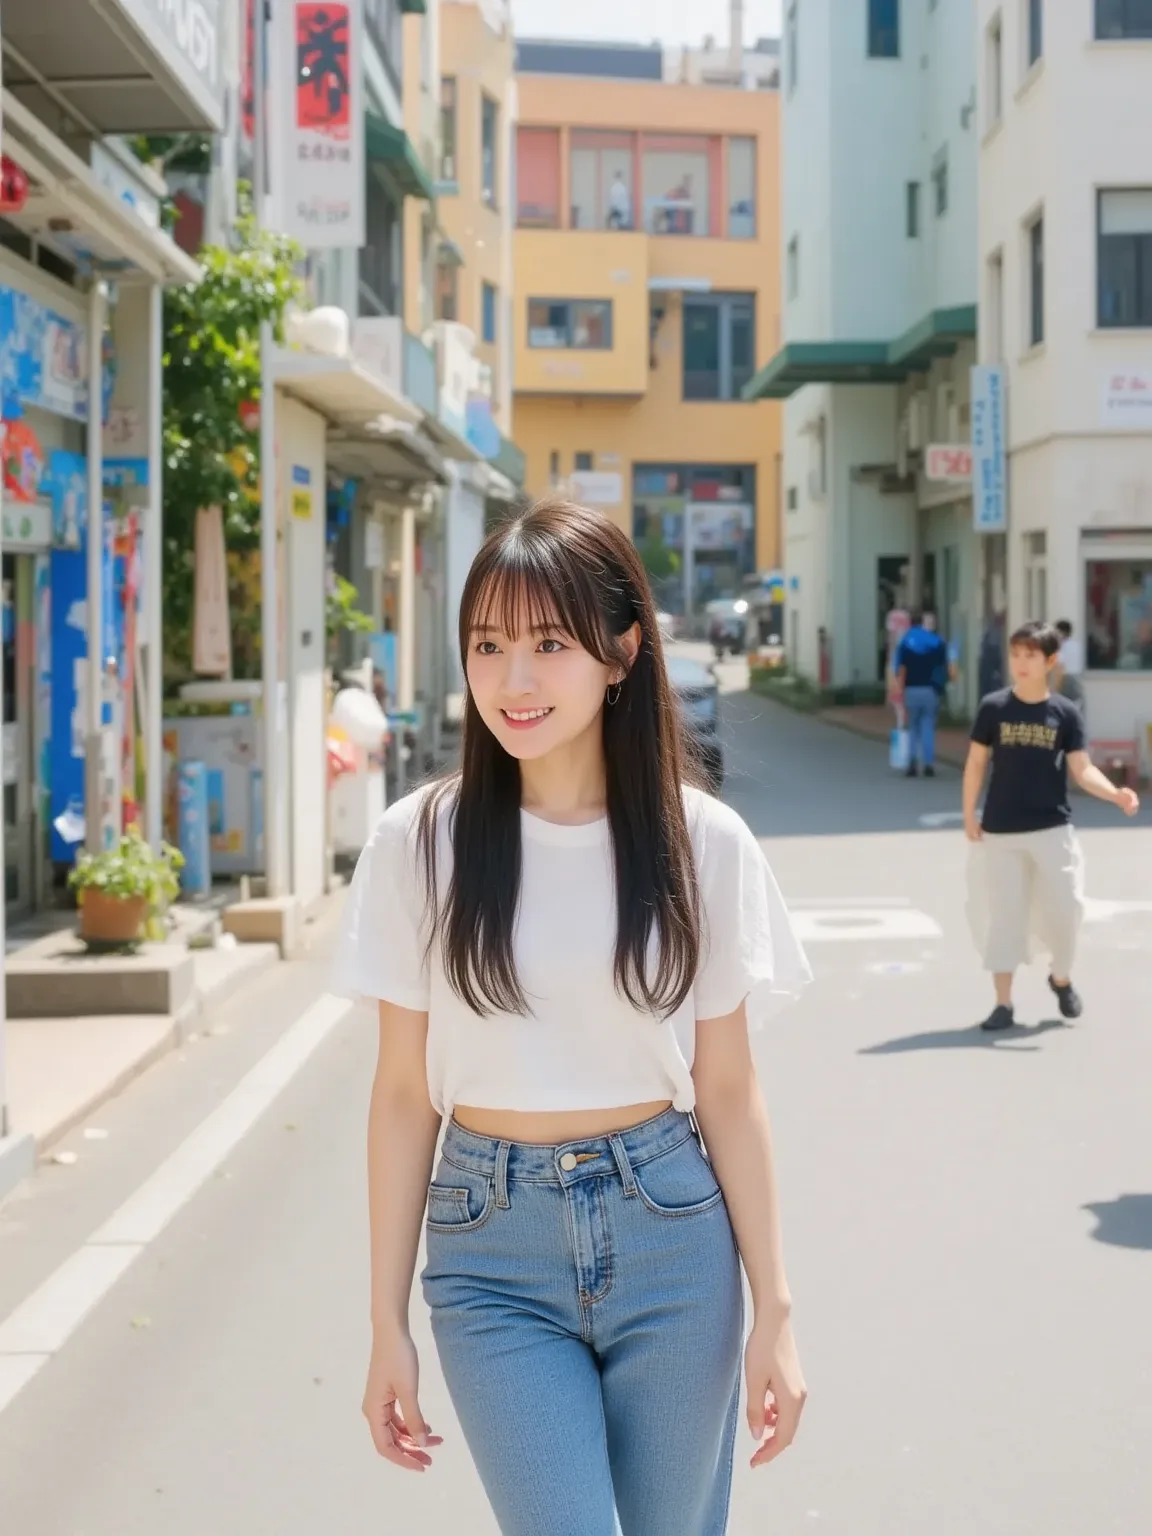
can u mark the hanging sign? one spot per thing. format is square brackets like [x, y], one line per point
[989, 449]
[318, 133]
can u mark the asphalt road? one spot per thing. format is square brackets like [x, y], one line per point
[968, 1225]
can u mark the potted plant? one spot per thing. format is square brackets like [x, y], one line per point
[124, 891]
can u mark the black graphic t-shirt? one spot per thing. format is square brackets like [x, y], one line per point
[1030, 744]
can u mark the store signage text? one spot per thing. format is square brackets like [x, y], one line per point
[948, 461]
[989, 450]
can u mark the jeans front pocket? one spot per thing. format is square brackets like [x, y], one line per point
[459, 1200]
[679, 1182]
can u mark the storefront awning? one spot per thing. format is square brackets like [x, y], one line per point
[391, 147]
[341, 390]
[451, 443]
[68, 207]
[863, 362]
[400, 454]
[118, 66]
[414, 7]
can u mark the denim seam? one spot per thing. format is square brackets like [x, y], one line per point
[466, 1226]
[609, 1270]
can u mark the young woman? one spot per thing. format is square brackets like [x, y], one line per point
[568, 945]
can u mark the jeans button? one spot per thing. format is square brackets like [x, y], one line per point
[568, 1162]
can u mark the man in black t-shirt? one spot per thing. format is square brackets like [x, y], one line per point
[1026, 870]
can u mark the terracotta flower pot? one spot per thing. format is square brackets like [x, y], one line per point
[112, 919]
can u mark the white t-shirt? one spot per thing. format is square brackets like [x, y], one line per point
[583, 1046]
[1072, 656]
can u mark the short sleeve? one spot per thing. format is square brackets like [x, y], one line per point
[1073, 729]
[750, 953]
[380, 953]
[984, 726]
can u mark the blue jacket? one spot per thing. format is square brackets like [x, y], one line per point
[924, 656]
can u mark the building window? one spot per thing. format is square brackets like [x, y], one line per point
[554, 468]
[940, 182]
[583, 325]
[793, 498]
[1120, 19]
[538, 178]
[742, 189]
[1034, 30]
[448, 128]
[719, 345]
[447, 291]
[381, 257]
[1036, 282]
[1118, 608]
[996, 307]
[912, 210]
[385, 22]
[487, 312]
[1124, 257]
[792, 48]
[1036, 575]
[582, 463]
[883, 29]
[793, 266]
[489, 122]
[602, 174]
[994, 69]
[676, 182]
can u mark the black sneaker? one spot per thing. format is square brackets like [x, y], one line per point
[911, 772]
[929, 772]
[1071, 1006]
[1003, 1016]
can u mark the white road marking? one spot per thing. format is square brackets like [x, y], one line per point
[1099, 910]
[845, 924]
[43, 1323]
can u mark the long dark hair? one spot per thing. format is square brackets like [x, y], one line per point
[562, 564]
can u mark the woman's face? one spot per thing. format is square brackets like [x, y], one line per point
[538, 690]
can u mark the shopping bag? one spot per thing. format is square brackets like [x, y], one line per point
[899, 749]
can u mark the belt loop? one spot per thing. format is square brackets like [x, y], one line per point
[628, 1178]
[502, 1201]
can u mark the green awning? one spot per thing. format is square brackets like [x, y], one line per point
[863, 362]
[414, 7]
[511, 461]
[391, 147]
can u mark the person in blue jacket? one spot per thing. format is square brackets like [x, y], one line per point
[922, 668]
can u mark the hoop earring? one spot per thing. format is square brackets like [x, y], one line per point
[608, 694]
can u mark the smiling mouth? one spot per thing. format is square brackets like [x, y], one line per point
[523, 719]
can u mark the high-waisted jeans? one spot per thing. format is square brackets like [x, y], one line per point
[587, 1309]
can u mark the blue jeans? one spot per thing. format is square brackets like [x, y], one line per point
[923, 705]
[587, 1309]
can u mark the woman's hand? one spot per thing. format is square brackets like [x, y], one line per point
[399, 1431]
[776, 1390]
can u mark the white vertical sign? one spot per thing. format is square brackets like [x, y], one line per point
[318, 171]
[989, 450]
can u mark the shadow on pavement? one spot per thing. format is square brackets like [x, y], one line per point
[1125, 1222]
[1016, 1039]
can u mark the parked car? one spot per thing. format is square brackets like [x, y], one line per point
[699, 697]
[728, 625]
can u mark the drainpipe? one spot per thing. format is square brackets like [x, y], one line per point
[153, 578]
[94, 672]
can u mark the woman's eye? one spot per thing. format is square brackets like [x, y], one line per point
[486, 648]
[551, 647]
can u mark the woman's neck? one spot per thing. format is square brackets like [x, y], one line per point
[567, 785]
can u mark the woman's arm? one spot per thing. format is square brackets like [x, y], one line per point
[1093, 782]
[975, 767]
[734, 1121]
[402, 1132]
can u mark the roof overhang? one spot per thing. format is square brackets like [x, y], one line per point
[118, 66]
[340, 389]
[67, 207]
[389, 146]
[863, 362]
[395, 453]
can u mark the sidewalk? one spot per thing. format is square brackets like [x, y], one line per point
[876, 721]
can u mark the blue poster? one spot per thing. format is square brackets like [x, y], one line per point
[69, 660]
[989, 449]
[66, 485]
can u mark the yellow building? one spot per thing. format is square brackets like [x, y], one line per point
[646, 286]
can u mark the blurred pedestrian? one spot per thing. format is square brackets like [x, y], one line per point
[1026, 870]
[568, 944]
[1067, 674]
[922, 671]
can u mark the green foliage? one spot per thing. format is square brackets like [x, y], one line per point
[342, 616]
[660, 562]
[212, 369]
[190, 153]
[130, 869]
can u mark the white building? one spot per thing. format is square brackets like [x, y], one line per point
[880, 271]
[1065, 230]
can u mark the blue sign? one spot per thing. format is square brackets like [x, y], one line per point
[43, 358]
[66, 485]
[69, 652]
[192, 828]
[480, 429]
[989, 450]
